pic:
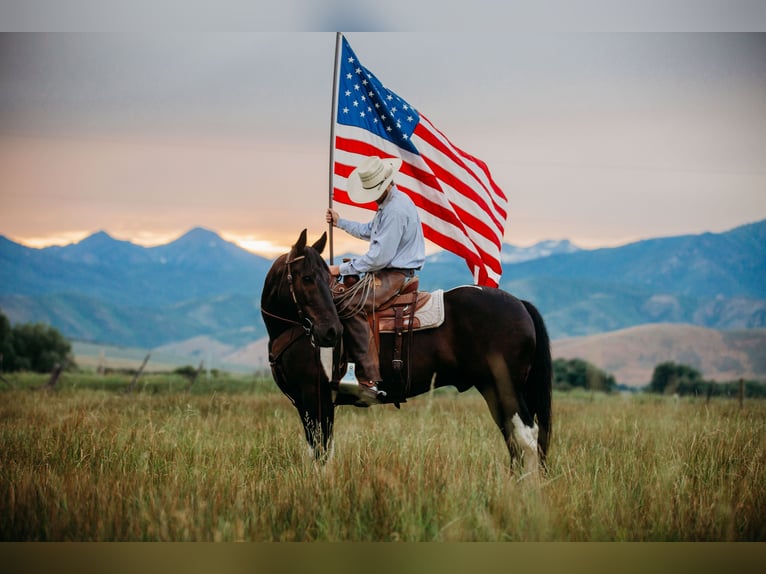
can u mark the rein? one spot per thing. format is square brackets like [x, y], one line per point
[303, 321]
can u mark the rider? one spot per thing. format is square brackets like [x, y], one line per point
[396, 252]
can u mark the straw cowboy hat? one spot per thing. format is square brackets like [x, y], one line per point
[371, 178]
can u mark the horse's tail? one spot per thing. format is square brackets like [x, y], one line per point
[537, 391]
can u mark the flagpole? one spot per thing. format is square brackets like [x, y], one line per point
[338, 36]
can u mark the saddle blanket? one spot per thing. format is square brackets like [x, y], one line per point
[429, 316]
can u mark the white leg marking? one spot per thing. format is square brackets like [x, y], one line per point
[325, 356]
[526, 438]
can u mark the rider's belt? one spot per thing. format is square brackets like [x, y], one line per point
[407, 272]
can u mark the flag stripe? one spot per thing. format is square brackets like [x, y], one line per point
[473, 186]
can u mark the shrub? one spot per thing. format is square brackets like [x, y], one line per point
[33, 347]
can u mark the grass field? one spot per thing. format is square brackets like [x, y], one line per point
[228, 462]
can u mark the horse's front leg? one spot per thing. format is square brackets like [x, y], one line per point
[318, 417]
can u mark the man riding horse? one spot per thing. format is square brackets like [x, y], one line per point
[396, 251]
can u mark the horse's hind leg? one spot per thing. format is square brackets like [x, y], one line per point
[511, 416]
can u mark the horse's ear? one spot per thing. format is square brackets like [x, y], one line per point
[320, 243]
[299, 246]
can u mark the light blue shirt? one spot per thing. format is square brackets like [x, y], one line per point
[395, 235]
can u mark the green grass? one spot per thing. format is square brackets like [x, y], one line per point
[229, 462]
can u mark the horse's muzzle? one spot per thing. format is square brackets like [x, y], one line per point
[326, 337]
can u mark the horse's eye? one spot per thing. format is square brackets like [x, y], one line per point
[308, 279]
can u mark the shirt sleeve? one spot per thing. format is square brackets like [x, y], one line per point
[385, 232]
[356, 229]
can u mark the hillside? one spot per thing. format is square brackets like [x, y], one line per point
[115, 292]
[631, 354]
[110, 291]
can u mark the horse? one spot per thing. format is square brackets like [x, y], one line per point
[489, 340]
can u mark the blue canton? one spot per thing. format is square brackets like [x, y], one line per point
[364, 102]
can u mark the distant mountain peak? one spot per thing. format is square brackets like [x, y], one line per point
[512, 254]
[200, 233]
[100, 236]
[200, 237]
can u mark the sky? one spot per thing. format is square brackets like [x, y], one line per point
[599, 138]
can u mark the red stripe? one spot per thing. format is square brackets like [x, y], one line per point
[452, 216]
[427, 126]
[444, 173]
[472, 261]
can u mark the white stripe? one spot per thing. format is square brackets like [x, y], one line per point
[446, 197]
[465, 202]
[466, 237]
[487, 192]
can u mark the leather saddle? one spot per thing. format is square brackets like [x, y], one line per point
[404, 305]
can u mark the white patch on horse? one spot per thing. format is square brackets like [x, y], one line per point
[526, 438]
[325, 356]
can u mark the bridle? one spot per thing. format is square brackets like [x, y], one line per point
[303, 321]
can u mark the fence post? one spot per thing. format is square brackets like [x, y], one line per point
[54, 378]
[2, 378]
[138, 373]
[741, 392]
[196, 374]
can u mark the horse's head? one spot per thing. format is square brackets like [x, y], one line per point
[300, 291]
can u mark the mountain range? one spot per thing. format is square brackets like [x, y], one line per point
[115, 292]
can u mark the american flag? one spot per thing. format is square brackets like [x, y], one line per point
[462, 209]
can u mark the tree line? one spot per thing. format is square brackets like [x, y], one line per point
[32, 347]
[671, 378]
[40, 348]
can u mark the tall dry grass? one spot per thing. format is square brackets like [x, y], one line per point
[89, 464]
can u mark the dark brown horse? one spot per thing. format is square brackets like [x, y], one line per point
[489, 340]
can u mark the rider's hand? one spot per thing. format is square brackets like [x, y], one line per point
[331, 216]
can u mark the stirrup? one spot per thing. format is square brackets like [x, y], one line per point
[366, 394]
